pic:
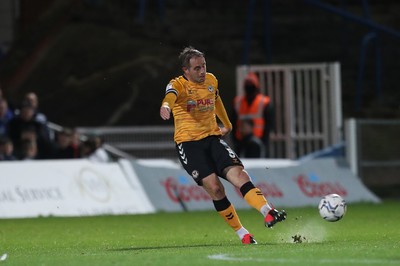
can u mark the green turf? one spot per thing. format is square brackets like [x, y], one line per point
[367, 235]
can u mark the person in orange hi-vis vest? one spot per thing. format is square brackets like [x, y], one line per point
[255, 106]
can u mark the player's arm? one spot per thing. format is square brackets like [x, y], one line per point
[222, 115]
[168, 102]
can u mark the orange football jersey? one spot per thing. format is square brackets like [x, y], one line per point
[195, 107]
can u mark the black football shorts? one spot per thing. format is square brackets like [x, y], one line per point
[206, 156]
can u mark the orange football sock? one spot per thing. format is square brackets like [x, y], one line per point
[255, 198]
[231, 217]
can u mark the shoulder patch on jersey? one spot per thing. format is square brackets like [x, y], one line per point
[210, 88]
[170, 89]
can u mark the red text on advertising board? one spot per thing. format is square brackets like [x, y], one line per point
[186, 193]
[318, 189]
[269, 190]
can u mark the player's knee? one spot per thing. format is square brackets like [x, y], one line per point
[233, 171]
[217, 191]
[214, 188]
[238, 176]
[244, 175]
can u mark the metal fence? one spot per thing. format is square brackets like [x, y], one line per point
[373, 150]
[139, 142]
[307, 103]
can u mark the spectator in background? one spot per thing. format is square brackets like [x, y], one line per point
[33, 99]
[255, 106]
[6, 149]
[9, 103]
[64, 148]
[28, 134]
[5, 116]
[25, 124]
[29, 150]
[250, 146]
[76, 142]
[92, 149]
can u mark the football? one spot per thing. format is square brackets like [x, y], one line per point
[332, 207]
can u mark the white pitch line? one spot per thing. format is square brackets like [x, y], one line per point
[227, 257]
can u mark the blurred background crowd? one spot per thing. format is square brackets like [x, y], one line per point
[25, 135]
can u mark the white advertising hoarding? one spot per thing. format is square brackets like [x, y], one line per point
[286, 184]
[84, 188]
[68, 188]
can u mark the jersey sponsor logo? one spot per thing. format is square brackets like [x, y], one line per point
[205, 105]
[190, 105]
[205, 102]
[201, 104]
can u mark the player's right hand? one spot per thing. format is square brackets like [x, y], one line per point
[165, 112]
[225, 130]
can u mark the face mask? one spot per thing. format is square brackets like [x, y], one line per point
[250, 89]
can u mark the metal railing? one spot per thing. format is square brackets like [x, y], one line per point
[140, 142]
[372, 148]
[307, 105]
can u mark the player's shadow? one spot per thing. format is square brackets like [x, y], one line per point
[159, 247]
[170, 247]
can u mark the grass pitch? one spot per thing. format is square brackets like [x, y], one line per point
[368, 235]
